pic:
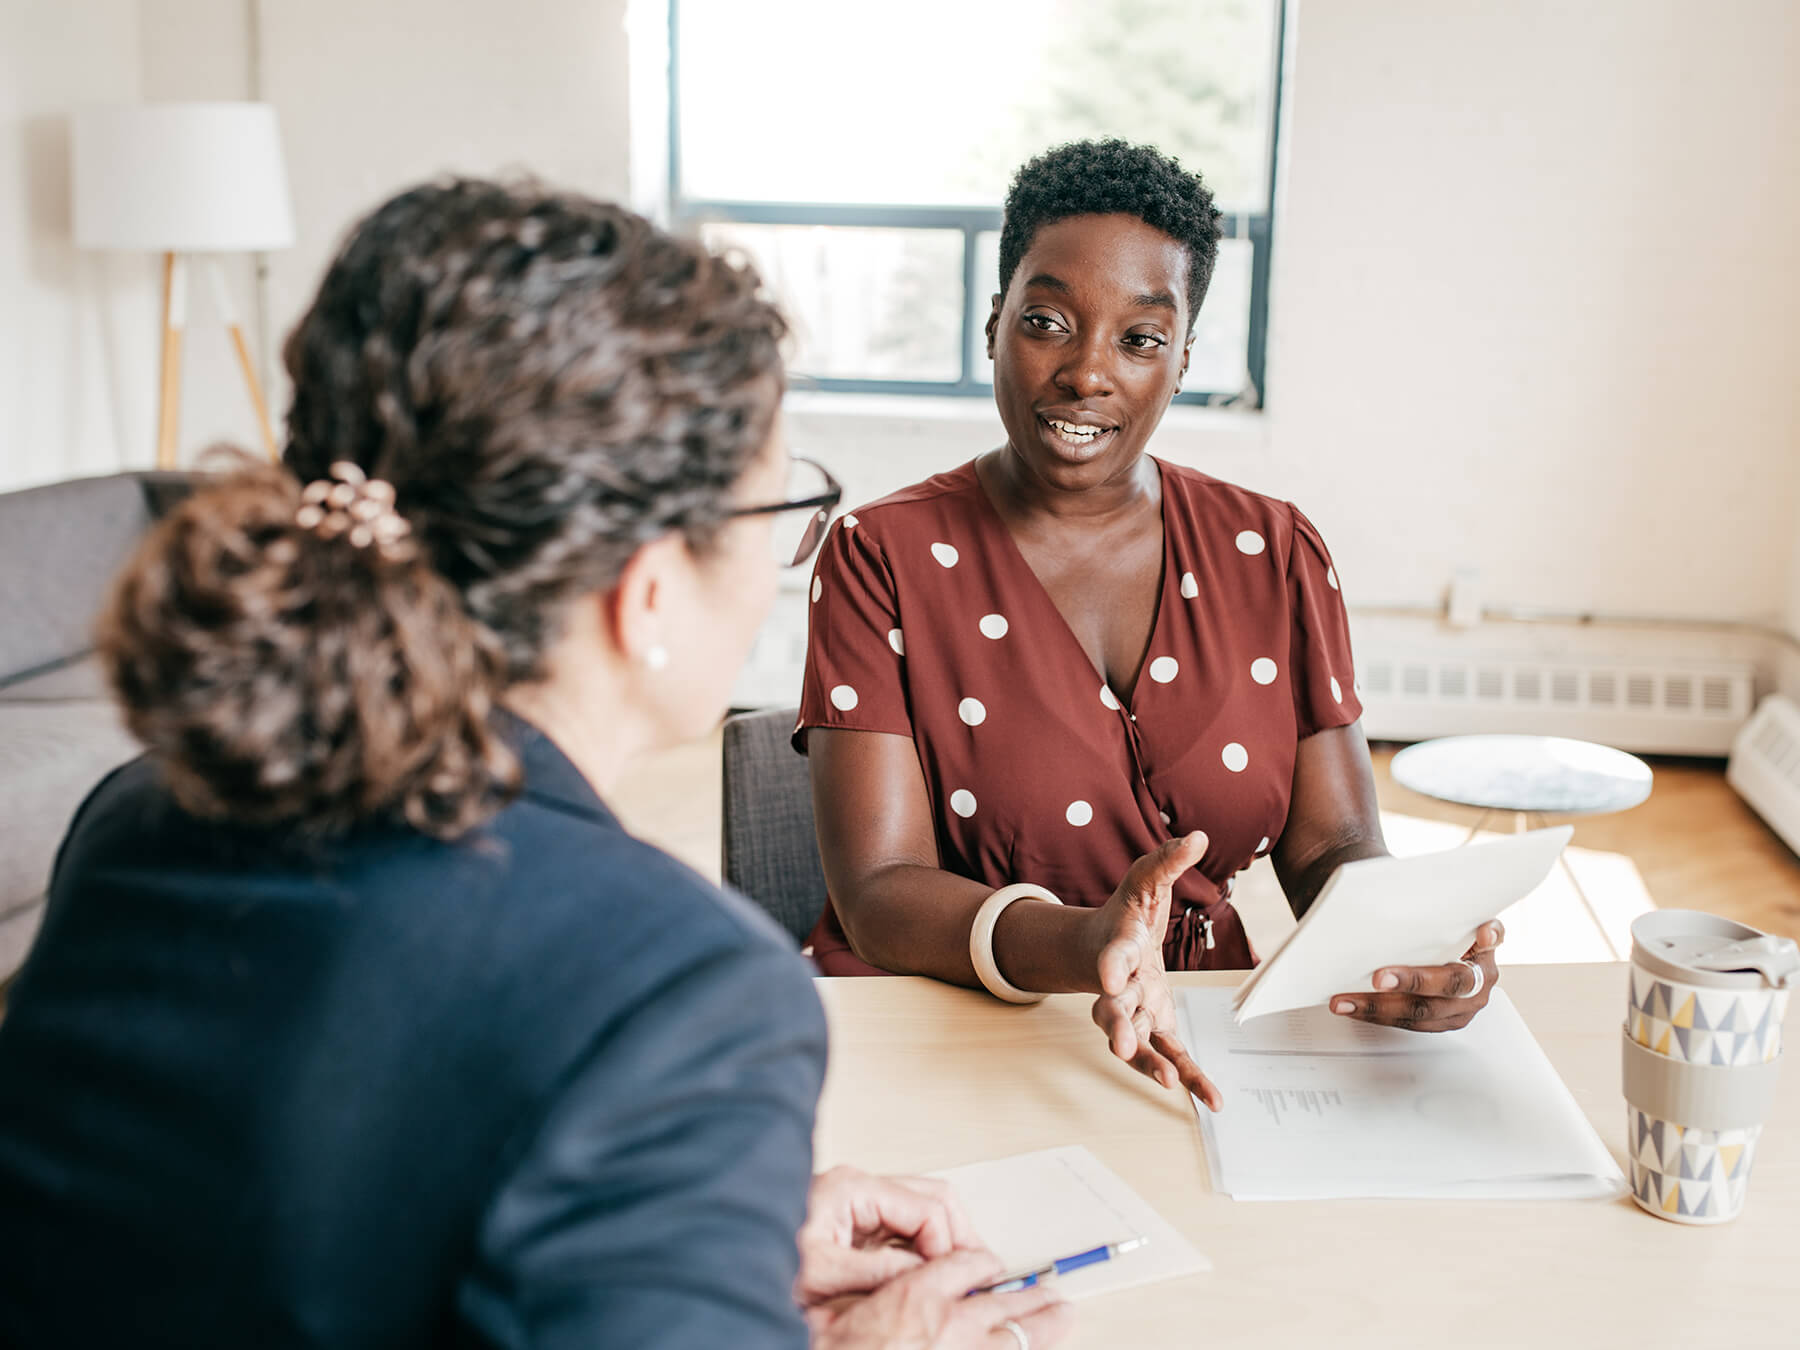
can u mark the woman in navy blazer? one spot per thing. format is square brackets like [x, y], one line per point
[357, 1018]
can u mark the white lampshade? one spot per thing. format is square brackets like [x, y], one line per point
[180, 177]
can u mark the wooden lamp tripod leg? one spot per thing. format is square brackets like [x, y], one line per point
[256, 393]
[174, 319]
[222, 298]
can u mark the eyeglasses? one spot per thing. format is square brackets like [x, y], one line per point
[813, 490]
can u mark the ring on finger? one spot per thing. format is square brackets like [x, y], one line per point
[1019, 1333]
[1480, 977]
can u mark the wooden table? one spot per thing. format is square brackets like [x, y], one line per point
[925, 1076]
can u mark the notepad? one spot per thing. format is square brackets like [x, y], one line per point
[1321, 1107]
[1033, 1208]
[1416, 911]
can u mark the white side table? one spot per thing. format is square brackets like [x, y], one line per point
[1530, 776]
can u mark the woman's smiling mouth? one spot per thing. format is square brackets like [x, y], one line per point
[1076, 435]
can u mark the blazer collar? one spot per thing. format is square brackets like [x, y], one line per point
[551, 778]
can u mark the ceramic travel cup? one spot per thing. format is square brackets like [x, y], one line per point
[1702, 1047]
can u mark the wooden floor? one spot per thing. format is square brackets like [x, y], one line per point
[1692, 845]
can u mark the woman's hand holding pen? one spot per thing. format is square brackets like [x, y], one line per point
[888, 1261]
[862, 1231]
[1136, 1009]
[929, 1309]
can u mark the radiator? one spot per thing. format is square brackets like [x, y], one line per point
[1678, 710]
[1765, 766]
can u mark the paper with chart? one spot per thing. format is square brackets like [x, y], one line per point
[1322, 1107]
[1033, 1208]
[1417, 911]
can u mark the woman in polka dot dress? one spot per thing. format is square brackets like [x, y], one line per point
[1070, 665]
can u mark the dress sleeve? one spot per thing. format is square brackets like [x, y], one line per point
[657, 1202]
[1319, 644]
[855, 649]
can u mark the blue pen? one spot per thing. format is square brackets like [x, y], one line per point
[1025, 1279]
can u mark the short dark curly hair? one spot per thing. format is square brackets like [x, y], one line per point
[1107, 176]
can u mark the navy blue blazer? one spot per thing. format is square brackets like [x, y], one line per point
[543, 1086]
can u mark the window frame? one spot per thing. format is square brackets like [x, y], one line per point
[690, 213]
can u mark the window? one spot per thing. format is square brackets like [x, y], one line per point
[859, 155]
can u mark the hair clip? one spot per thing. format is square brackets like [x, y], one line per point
[357, 507]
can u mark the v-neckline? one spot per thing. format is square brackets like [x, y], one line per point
[1127, 702]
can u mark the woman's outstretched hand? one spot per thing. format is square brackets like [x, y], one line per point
[1135, 1008]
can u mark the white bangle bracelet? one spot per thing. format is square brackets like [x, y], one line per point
[981, 940]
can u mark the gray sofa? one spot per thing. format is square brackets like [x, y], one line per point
[60, 547]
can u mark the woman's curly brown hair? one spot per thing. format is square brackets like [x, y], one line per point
[548, 382]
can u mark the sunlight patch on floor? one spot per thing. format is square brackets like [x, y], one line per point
[1548, 926]
[1551, 924]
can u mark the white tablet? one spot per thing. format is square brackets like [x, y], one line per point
[1417, 911]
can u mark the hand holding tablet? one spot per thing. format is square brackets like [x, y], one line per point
[1378, 914]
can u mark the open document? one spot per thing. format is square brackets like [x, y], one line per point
[1416, 911]
[1033, 1208]
[1321, 1107]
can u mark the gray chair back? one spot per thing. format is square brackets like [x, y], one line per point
[770, 852]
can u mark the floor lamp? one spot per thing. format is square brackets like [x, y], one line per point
[188, 181]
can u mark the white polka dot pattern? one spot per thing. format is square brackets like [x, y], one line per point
[1248, 650]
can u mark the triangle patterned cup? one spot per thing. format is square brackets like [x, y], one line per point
[1701, 1047]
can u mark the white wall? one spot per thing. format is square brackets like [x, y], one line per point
[371, 98]
[1535, 284]
[77, 330]
[201, 50]
[1536, 308]
[1538, 300]
[1789, 668]
[374, 98]
[1793, 614]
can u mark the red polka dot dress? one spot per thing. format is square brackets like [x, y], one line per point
[927, 622]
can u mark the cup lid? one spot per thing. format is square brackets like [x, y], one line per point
[1699, 948]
